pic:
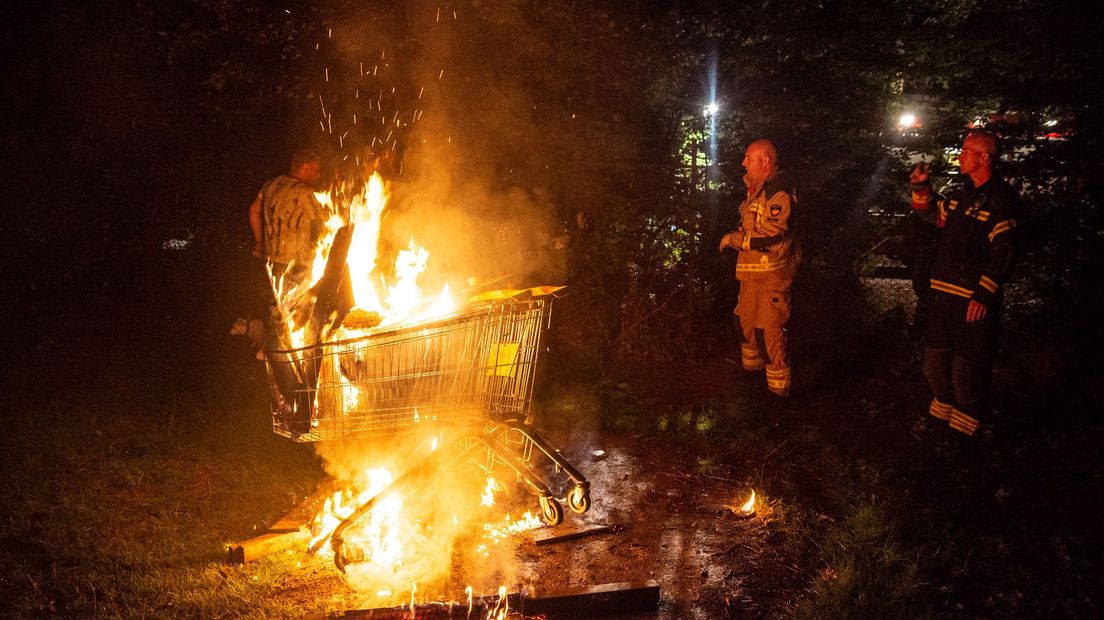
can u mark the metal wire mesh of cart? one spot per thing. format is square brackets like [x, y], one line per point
[473, 367]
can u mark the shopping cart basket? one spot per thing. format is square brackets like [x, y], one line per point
[472, 372]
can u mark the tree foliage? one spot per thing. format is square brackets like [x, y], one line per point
[147, 118]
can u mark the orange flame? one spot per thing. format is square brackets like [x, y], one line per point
[402, 301]
[749, 506]
[393, 294]
[488, 492]
[380, 536]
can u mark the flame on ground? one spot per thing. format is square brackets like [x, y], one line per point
[379, 535]
[749, 505]
[407, 536]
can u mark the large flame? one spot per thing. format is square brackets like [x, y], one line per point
[379, 535]
[402, 541]
[398, 539]
[391, 292]
[396, 296]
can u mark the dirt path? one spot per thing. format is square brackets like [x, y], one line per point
[666, 524]
[671, 526]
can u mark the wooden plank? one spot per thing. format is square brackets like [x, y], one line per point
[480, 608]
[266, 544]
[292, 529]
[549, 535]
[301, 514]
[569, 603]
[586, 601]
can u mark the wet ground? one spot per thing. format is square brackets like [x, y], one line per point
[666, 523]
[669, 525]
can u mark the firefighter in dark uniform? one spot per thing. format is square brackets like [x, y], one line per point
[972, 265]
[765, 266]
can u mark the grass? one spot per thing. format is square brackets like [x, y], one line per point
[124, 481]
[122, 503]
[886, 514]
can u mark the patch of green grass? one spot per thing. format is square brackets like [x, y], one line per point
[123, 504]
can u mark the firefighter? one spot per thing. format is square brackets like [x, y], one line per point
[765, 265]
[972, 265]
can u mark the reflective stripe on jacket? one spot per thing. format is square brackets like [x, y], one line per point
[765, 236]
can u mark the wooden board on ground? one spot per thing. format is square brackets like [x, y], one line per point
[266, 544]
[292, 529]
[480, 608]
[588, 601]
[549, 535]
[569, 603]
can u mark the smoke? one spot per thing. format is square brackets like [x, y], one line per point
[412, 89]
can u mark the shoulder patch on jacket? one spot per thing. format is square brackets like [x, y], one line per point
[780, 182]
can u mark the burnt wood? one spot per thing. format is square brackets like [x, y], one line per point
[291, 530]
[267, 544]
[547, 536]
[589, 601]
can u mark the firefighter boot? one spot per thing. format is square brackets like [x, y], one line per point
[937, 370]
[971, 387]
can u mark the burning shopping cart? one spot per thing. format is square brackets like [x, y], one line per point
[471, 373]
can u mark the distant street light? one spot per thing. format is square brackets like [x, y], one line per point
[907, 120]
[711, 109]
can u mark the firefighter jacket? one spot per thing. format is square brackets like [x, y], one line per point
[765, 237]
[978, 243]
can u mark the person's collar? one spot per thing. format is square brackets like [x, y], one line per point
[987, 180]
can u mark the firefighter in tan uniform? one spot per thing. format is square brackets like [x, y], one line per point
[765, 266]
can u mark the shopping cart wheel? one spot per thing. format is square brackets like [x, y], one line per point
[552, 510]
[578, 500]
[346, 553]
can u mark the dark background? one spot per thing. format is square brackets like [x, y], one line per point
[130, 125]
[568, 139]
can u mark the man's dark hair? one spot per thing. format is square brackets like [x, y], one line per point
[303, 156]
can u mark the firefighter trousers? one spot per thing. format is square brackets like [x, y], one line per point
[761, 314]
[958, 361]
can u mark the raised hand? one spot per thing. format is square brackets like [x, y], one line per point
[920, 173]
